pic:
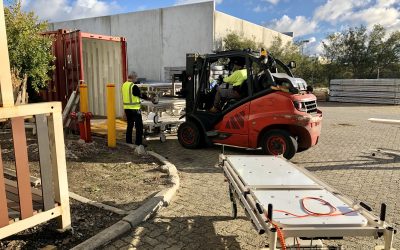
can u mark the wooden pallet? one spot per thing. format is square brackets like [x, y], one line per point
[13, 205]
[22, 206]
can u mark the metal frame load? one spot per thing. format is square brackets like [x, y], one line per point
[379, 91]
[294, 207]
[163, 116]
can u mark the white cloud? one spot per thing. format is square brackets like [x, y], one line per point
[335, 10]
[56, 10]
[141, 7]
[258, 9]
[274, 2]
[300, 25]
[312, 39]
[360, 12]
[182, 2]
[386, 3]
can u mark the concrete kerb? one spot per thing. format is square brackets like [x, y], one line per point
[143, 213]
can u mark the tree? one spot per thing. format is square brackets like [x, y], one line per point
[307, 68]
[357, 53]
[29, 51]
[234, 41]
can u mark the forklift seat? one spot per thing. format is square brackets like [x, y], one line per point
[243, 93]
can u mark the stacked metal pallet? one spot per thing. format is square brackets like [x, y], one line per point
[379, 91]
[171, 71]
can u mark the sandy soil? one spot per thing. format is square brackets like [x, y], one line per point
[115, 177]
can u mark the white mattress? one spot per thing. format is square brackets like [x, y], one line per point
[274, 180]
[290, 201]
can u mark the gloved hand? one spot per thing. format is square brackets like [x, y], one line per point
[220, 79]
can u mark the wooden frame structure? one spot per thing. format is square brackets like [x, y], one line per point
[22, 206]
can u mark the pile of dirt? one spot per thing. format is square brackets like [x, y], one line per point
[87, 221]
[114, 176]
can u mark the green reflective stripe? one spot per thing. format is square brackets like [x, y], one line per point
[130, 92]
[131, 103]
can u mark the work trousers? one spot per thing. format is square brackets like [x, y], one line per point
[224, 93]
[134, 119]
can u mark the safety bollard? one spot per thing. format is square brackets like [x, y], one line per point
[82, 128]
[84, 99]
[88, 130]
[111, 127]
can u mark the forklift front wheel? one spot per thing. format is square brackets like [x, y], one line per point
[189, 135]
[279, 142]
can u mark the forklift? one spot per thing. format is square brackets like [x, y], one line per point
[275, 111]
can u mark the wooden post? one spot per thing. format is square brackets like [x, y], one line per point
[46, 172]
[3, 198]
[22, 167]
[6, 90]
[111, 128]
[57, 149]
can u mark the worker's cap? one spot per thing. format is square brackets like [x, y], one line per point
[239, 62]
[132, 75]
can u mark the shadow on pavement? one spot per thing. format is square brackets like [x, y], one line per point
[197, 232]
[377, 161]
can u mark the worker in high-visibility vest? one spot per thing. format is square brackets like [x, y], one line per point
[236, 79]
[131, 101]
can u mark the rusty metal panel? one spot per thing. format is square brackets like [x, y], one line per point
[46, 172]
[22, 167]
[3, 199]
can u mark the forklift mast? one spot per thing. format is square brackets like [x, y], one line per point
[191, 80]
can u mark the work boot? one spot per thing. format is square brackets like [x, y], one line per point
[213, 110]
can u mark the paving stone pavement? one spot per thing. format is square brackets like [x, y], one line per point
[199, 216]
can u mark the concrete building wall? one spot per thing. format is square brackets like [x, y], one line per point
[95, 25]
[186, 29]
[142, 31]
[156, 38]
[161, 38]
[225, 24]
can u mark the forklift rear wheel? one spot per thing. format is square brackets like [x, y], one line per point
[189, 135]
[279, 142]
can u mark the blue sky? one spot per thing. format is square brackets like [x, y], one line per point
[309, 19]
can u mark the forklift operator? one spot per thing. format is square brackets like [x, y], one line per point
[236, 79]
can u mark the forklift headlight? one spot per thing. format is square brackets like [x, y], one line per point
[299, 106]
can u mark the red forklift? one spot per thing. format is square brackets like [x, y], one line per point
[275, 111]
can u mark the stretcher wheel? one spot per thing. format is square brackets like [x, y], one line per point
[234, 210]
[163, 138]
[233, 203]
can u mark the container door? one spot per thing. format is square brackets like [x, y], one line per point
[56, 90]
[73, 62]
[104, 62]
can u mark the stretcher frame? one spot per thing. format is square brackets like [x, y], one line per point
[160, 124]
[376, 226]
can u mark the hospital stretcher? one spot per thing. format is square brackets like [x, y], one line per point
[294, 208]
[160, 88]
[162, 117]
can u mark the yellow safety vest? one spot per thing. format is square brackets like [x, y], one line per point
[237, 77]
[129, 100]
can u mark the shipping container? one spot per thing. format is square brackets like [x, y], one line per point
[87, 58]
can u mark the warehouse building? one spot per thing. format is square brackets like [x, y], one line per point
[159, 39]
